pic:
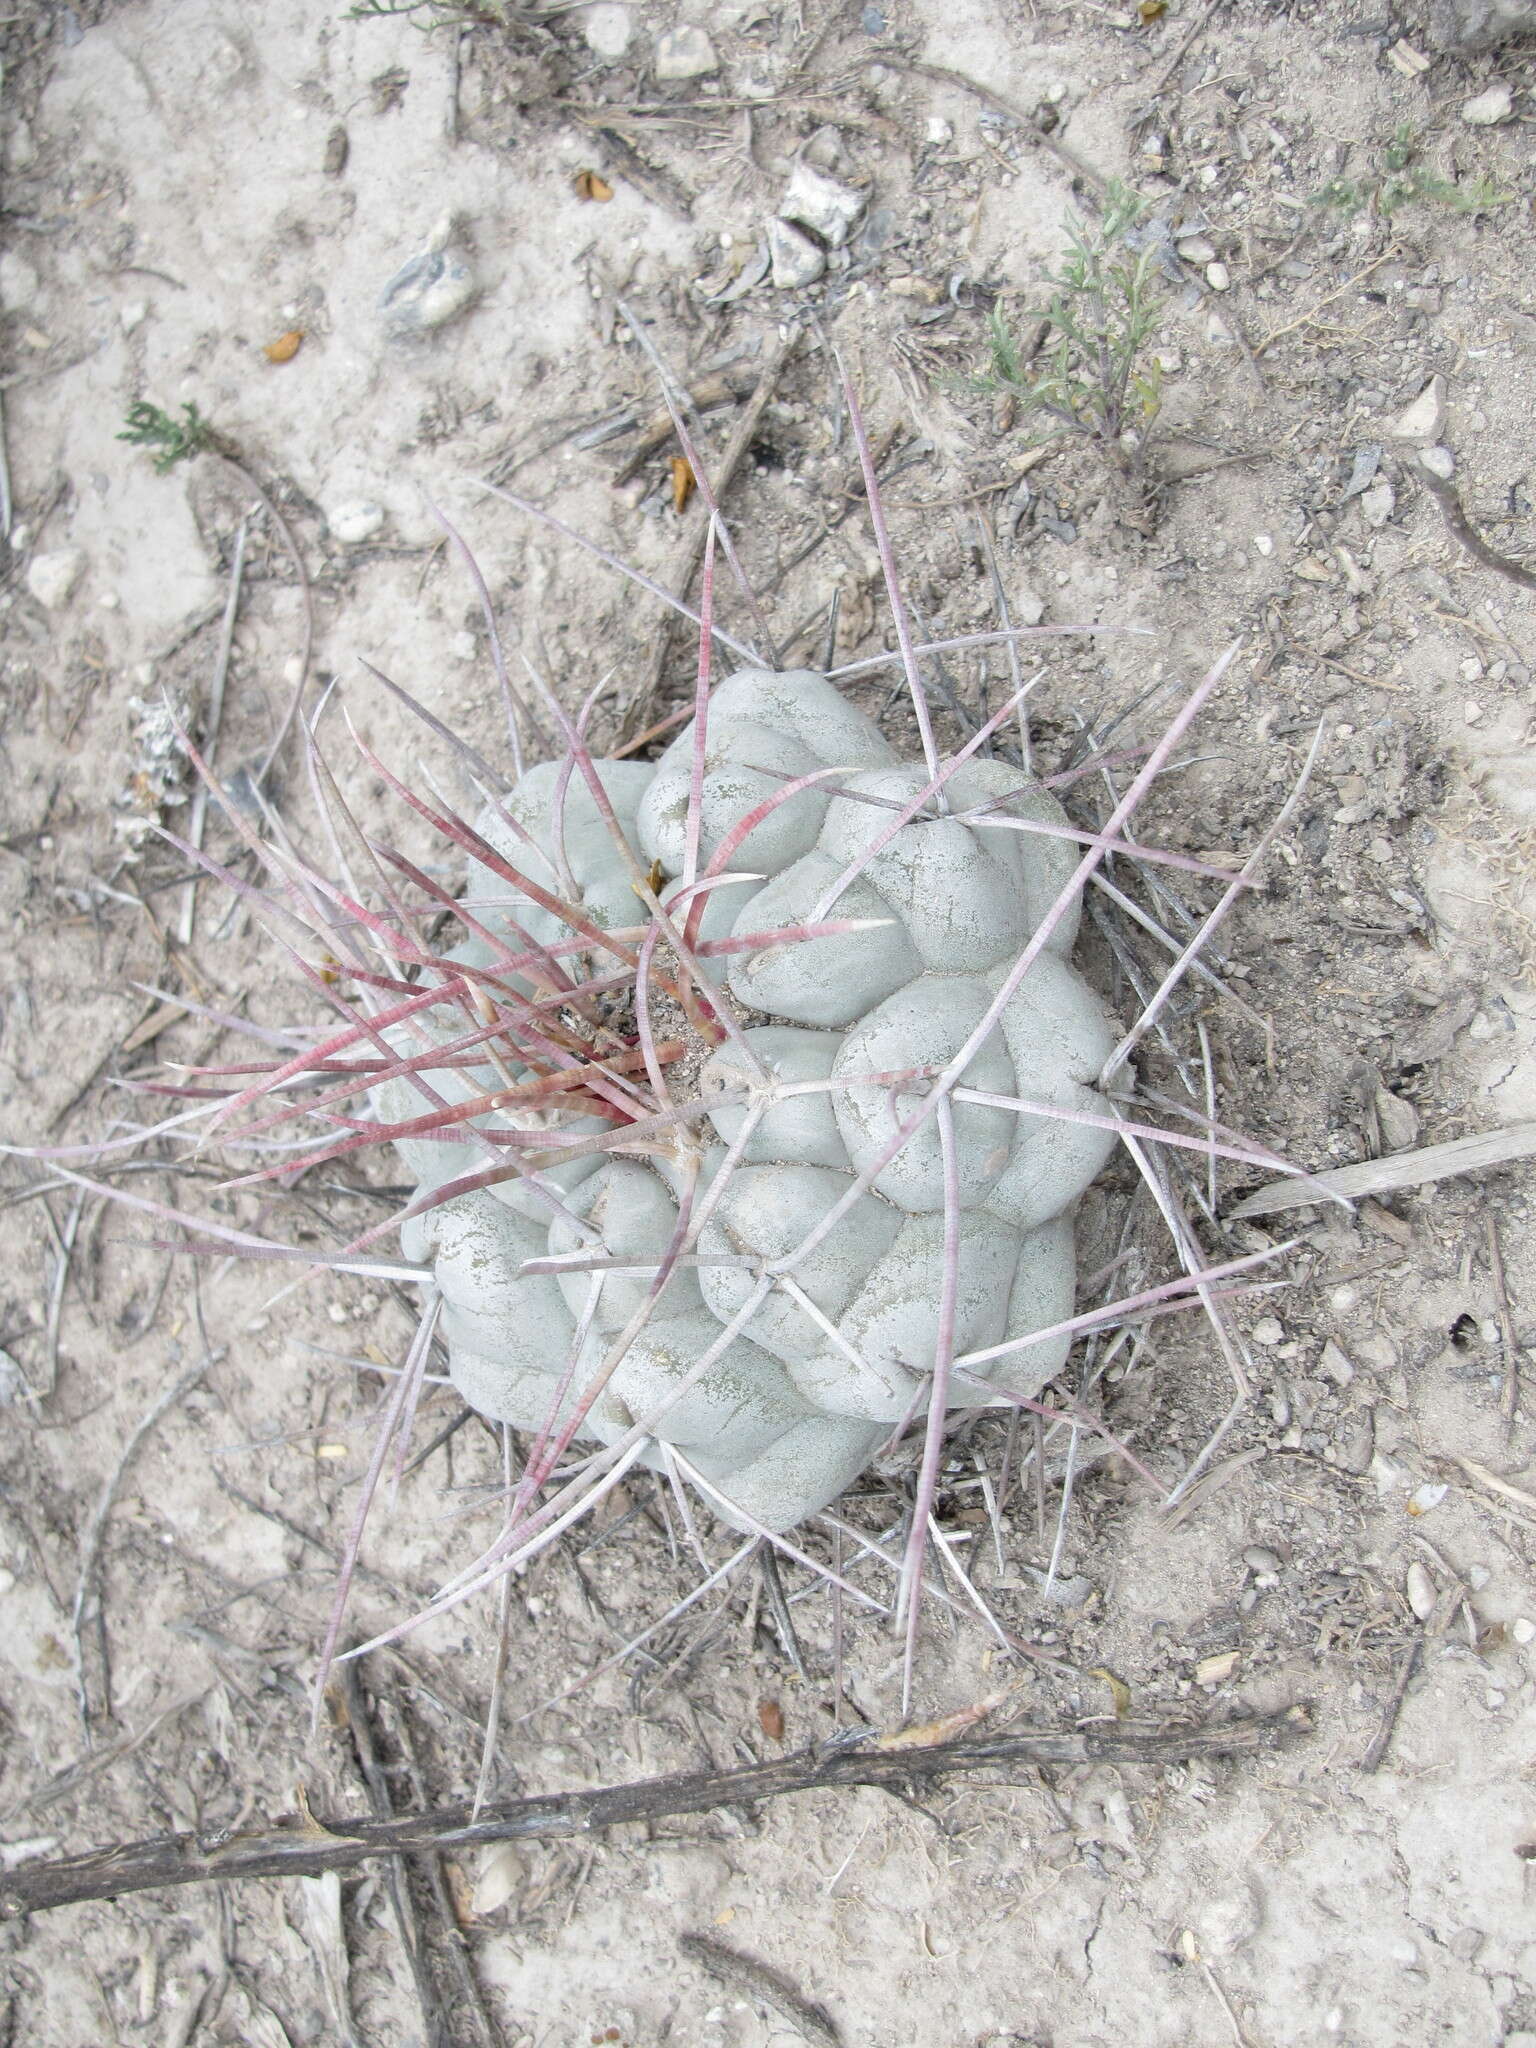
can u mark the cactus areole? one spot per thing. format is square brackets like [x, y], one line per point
[837, 1207]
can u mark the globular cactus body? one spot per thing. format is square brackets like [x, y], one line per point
[838, 1040]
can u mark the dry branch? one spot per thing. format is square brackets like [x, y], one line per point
[1398, 1170]
[309, 1843]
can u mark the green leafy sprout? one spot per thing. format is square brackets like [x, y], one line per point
[1401, 179]
[150, 426]
[1095, 376]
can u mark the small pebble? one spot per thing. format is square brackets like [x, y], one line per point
[1472, 711]
[797, 260]
[1264, 543]
[1438, 461]
[1216, 329]
[1335, 1365]
[938, 131]
[1269, 1330]
[813, 200]
[685, 52]
[1524, 1630]
[132, 315]
[608, 29]
[1421, 1591]
[1424, 420]
[426, 293]
[1377, 503]
[52, 577]
[354, 522]
[1196, 249]
[1218, 277]
[463, 646]
[1489, 108]
[1258, 1559]
[1495, 1698]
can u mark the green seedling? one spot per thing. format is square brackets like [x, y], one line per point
[1400, 180]
[1094, 377]
[150, 426]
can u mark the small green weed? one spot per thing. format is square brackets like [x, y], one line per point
[1094, 376]
[1401, 180]
[150, 426]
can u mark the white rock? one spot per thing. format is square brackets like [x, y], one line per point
[426, 293]
[1028, 610]
[51, 577]
[1269, 1330]
[1489, 108]
[357, 520]
[133, 315]
[1264, 543]
[796, 258]
[1196, 249]
[938, 131]
[1439, 462]
[1377, 503]
[608, 30]
[1218, 277]
[685, 52]
[1217, 331]
[1421, 1591]
[1424, 420]
[813, 200]
[1524, 1630]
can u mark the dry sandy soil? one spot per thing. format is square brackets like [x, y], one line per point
[188, 181]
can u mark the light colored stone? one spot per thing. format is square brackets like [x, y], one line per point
[813, 200]
[685, 52]
[1489, 108]
[796, 259]
[1377, 502]
[1269, 1330]
[1218, 277]
[1424, 420]
[1196, 249]
[357, 520]
[131, 317]
[1421, 1591]
[1439, 462]
[1524, 1631]
[608, 30]
[52, 577]
[426, 293]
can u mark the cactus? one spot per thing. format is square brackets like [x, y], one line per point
[805, 1179]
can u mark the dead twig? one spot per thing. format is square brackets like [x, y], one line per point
[1452, 511]
[746, 1974]
[347, 1692]
[941, 74]
[692, 551]
[1509, 1397]
[1408, 1664]
[307, 1843]
[1398, 1170]
[90, 1542]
